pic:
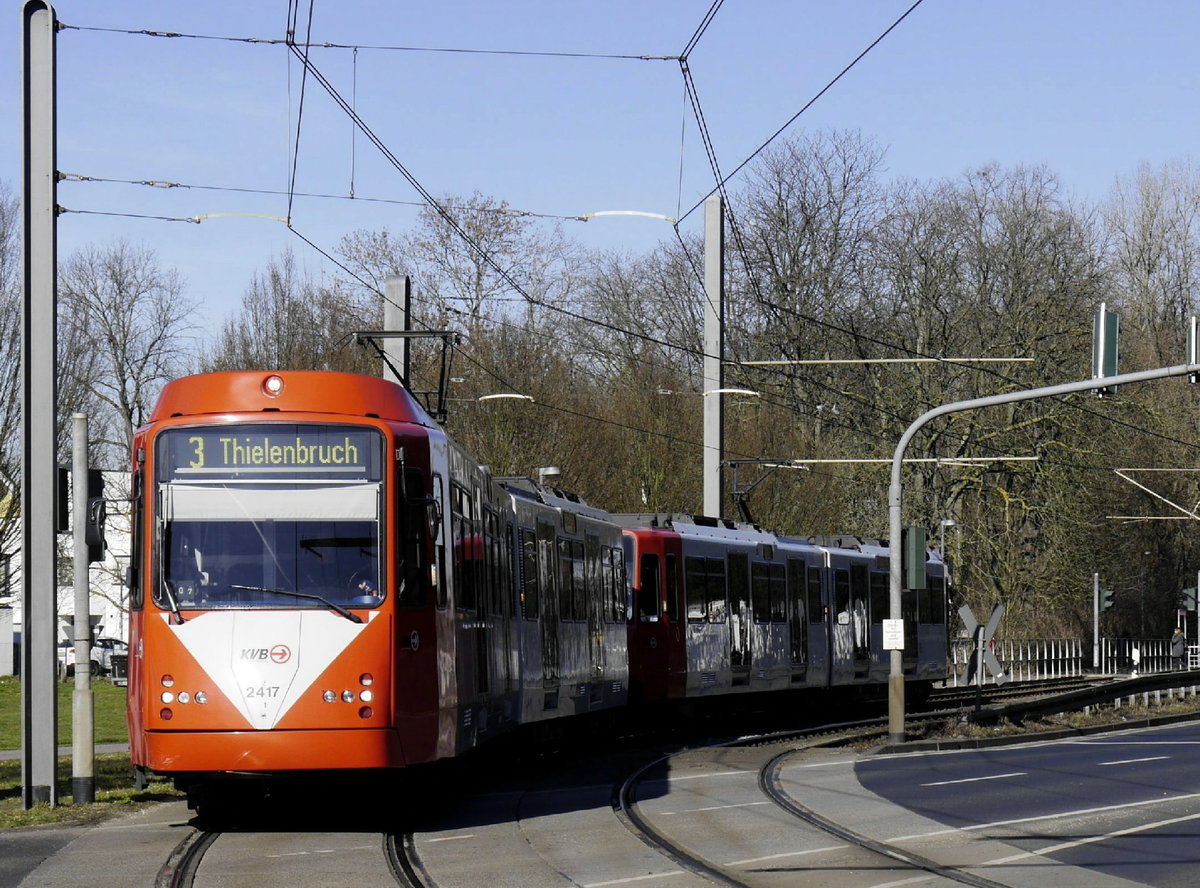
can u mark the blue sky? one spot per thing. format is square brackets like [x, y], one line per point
[1089, 89]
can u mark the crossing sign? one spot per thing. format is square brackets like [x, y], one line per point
[983, 635]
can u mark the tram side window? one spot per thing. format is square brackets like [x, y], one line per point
[841, 596]
[529, 574]
[413, 531]
[647, 593]
[696, 587]
[778, 582]
[760, 591]
[768, 592]
[880, 596]
[933, 607]
[571, 591]
[672, 590]
[468, 548]
[138, 520]
[816, 609]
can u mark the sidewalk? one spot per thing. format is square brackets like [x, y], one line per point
[66, 751]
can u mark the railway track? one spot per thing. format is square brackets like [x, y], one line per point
[395, 860]
[435, 851]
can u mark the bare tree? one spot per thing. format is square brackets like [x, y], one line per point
[289, 322]
[473, 261]
[10, 367]
[125, 329]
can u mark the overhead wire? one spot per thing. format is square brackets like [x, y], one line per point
[828, 86]
[309, 68]
[293, 11]
[310, 44]
[168, 184]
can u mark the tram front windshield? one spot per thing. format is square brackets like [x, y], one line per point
[268, 516]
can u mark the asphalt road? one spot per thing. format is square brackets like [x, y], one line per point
[1124, 804]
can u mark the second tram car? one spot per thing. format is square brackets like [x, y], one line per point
[721, 608]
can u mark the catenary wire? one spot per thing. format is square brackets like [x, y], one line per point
[288, 41]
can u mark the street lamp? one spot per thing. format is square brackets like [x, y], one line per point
[505, 395]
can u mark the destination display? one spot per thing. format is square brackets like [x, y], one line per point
[270, 449]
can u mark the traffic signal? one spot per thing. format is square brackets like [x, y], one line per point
[96, 513]
[1106, 599]
[1189, 598]
[913, 554]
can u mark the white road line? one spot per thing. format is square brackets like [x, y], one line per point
[713, 808]
[1081, 812]
[1091, 840]
[1152, 758]
[786, 854]
[673, 778]
[977, 779]
[915, 880]
[633, 879]
[447, 839]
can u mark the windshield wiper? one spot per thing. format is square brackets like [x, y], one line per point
[171, 601]
[353, 618]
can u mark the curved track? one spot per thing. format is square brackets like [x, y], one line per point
[183, 867]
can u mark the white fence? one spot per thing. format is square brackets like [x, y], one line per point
[1042, 658]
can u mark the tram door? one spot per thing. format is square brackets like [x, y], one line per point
[547, 576]
[596, 601]
[740, 618]
[797, 617]
[861, 619]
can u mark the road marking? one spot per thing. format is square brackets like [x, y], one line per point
[1066, 846]
[714, 808]
[787, 854]
[915, 880]
[977, 779]
[1153, 758]
[1081, 812]
[448, 839]
[632, 879]
[673, 778]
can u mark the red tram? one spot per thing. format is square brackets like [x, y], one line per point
[321, 579]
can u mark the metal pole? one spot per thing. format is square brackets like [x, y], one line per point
[1095, 621]
[39, 475]
[83, 750]
[397, 308]
[896, 497]
[714, 352]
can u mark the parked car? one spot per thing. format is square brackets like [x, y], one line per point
[103, 650]
[101, 655]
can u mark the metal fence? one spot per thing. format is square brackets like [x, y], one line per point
[1041, 658]
[1141, 656]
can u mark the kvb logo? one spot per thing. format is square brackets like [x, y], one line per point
[280, 654]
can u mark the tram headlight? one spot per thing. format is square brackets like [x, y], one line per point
[167, 680]
[201, 697]
[366, 679]
[348, 696]
[167, 697]
[366, 696]
[329, 696]
[272, 386]
[184, 697]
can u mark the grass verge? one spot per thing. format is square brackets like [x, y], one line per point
[113, 773]
[114, 794]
